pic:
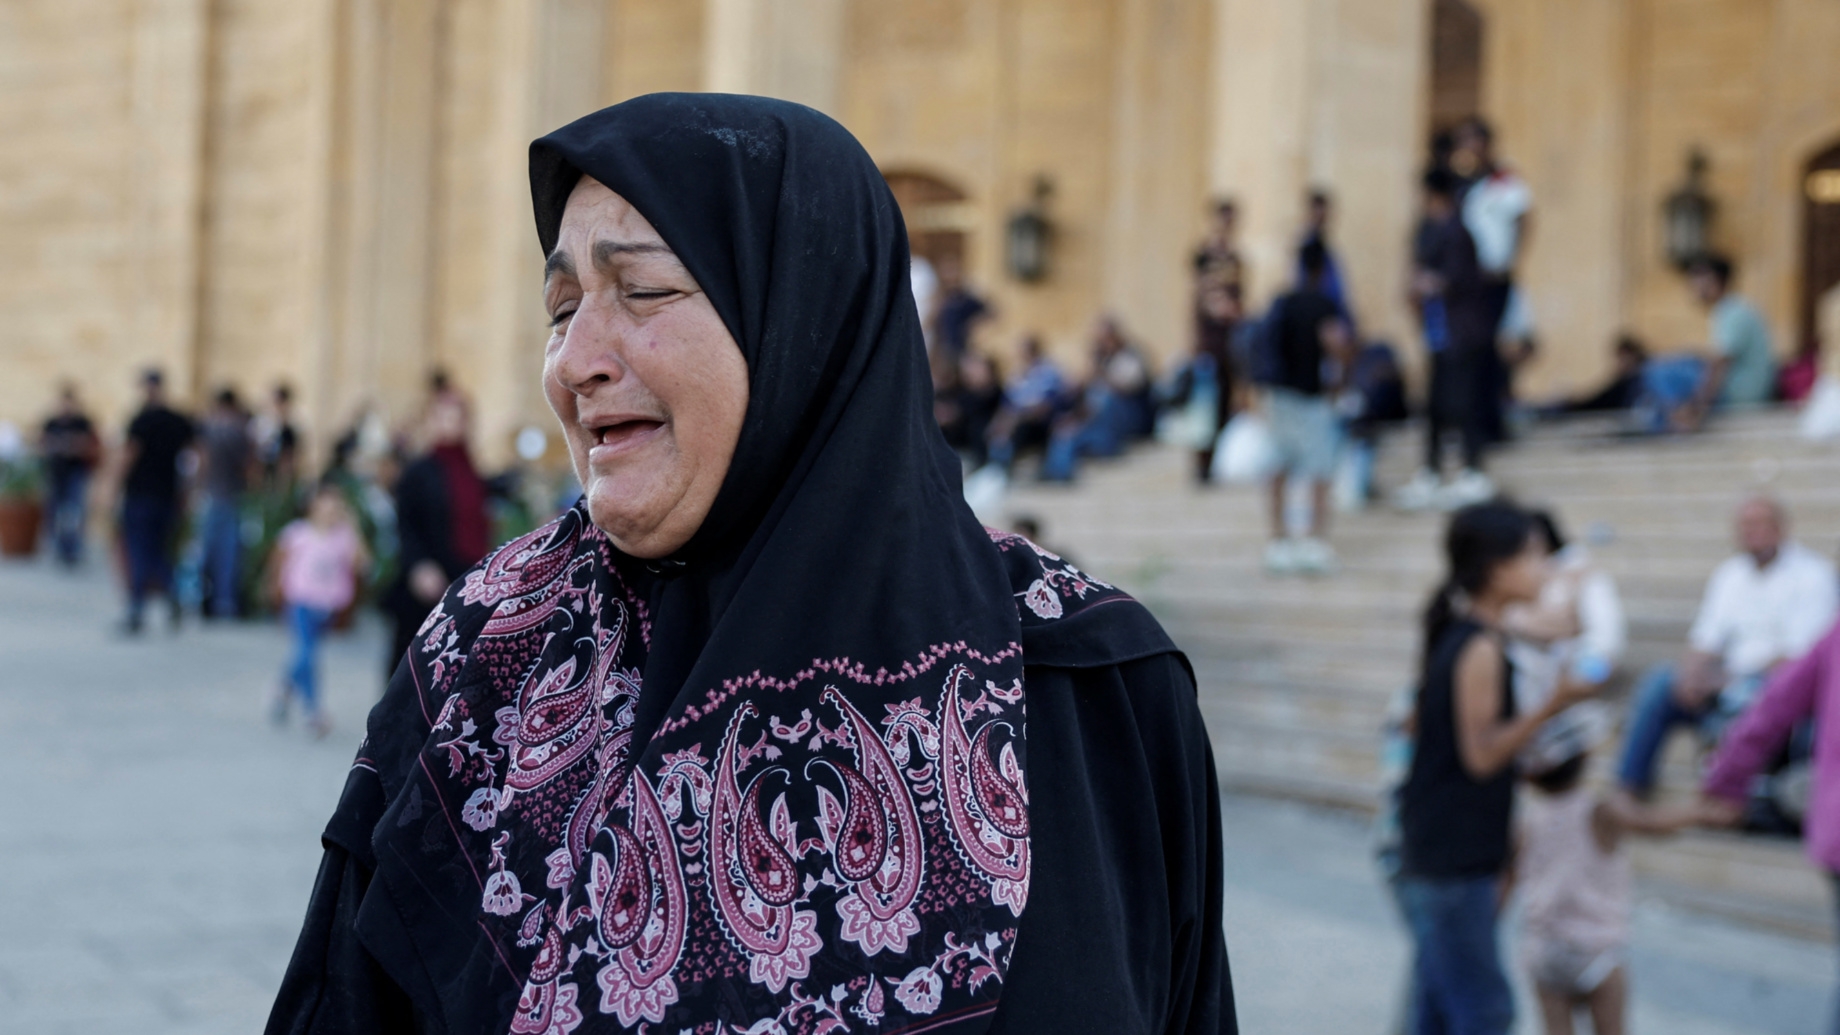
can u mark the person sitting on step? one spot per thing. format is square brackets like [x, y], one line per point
[1766, 605]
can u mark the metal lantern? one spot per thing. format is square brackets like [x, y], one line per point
[1028, 236]
[1689, 211]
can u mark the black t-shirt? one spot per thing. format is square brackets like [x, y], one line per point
[1450, 823]
[956, 315]
[161, 435]
[68, 445]
[1297, 320]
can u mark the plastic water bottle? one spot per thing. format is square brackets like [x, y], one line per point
[1591, 669]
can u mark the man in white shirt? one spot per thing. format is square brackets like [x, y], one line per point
[1767, 605]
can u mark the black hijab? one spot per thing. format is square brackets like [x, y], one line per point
[780, 776]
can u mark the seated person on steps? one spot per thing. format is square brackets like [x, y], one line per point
[1766, 605]
[1680, 391]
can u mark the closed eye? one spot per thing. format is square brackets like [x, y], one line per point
[556, 320]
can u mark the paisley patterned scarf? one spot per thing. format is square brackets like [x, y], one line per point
[779, 781]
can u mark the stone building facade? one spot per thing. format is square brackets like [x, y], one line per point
[332, 192]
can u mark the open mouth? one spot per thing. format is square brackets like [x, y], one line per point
[624, 432]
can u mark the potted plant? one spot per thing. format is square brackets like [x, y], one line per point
[22, 504]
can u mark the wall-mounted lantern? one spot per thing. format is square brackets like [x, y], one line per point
[1029, 235]
[1689, 211]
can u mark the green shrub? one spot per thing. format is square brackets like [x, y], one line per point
[21, 478]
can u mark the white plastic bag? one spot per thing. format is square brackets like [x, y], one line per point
[1191, 425]
[985, 489]
[1821, 416]
[1245, 451]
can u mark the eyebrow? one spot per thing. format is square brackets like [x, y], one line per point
[603, 252]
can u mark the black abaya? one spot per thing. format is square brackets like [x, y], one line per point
[1122, 934]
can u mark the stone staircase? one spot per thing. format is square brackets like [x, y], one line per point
[1296, 674]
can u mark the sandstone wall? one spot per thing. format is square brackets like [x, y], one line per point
[100, 111]
[331, 192]
[1599, 102]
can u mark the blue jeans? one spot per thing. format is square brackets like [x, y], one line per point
[1656, 713]
[1096, 437]
[1458, 987]
[223, 548]
[68, 514]
[1668, 382]
[146, 532]
[309, 624]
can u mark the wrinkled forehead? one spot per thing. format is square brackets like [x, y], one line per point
[598, 228]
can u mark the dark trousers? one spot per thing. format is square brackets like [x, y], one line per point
[1654, 713]
[1462, 387]
[69, 514]
[223, 548]
[1458, 985]
[147, 524]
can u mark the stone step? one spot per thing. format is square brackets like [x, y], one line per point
[1761, 880]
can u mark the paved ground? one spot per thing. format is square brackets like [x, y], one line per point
[159, 838]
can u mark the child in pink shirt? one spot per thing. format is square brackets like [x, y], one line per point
[319, 559]
[1573, 877]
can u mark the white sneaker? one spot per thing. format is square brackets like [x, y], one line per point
[1472, 486]
[1281, 557]
[1421, 493]
[1314, 557]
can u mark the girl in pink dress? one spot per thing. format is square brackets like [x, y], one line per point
[319, 559]
[1573, 877]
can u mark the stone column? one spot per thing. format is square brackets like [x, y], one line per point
[791, 49]
[166, 97]
[653, 45]
[1159, 158]
[267, 214]
[1330, 94]
[487, 313]
[389, 71]
[1556, 86]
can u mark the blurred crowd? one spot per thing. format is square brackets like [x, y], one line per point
[1296, 397]
[1493, 798]
[216, 515]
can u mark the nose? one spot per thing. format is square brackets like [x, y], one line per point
[588, 356]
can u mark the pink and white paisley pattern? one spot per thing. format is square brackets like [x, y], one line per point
[874, 841]
[986, 803]
[855, 867]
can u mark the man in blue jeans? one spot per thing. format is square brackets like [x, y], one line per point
[1766, 605]
[69, 445]
[150, 506]
[229, 455]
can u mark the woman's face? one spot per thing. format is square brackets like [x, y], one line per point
[641, 371]
[1523, 576]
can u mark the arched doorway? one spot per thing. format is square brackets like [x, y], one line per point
[1820, 241]
[1456, 63]
[937, 214]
